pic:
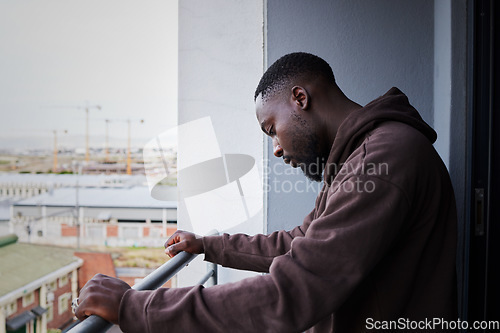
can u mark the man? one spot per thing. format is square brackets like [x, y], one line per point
[379, 245]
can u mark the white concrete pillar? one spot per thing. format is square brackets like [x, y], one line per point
[38, 327]
[2, 319]
[74, 284]
[230, 43]
[42, 323]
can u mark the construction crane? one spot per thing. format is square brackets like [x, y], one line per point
[129, 139]
[54, 165]
[87, 107]
[129, 158]
[106, 148]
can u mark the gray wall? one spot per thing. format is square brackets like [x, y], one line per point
[418, 46]
[371, 46]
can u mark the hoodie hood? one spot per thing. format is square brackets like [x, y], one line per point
[393, 106]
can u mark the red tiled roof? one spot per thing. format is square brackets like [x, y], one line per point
[93, 263]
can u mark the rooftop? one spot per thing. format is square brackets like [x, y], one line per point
[93, 263]
[70, 180]
[134, 197]
[22, 263]
[5, 209]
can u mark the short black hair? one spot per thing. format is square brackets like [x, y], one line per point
[288, 68]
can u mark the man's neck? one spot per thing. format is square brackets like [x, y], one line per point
[341, 107]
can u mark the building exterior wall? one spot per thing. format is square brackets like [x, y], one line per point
[99, 233]
[54, 295]
[61, 305]
[127, 226]
[92, 213]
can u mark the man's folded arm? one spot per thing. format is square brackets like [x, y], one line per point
[252, 253]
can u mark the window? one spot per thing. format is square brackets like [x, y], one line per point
[95, 231]
[130, 232]
[11, 308]
[63, 303]
[52, 285]
[28, 299]
[63, 280]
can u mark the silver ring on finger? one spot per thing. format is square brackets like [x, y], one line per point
[74, 305]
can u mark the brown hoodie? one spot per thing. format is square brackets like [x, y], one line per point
[379, 245]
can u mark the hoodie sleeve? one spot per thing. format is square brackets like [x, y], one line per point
[309, 282]
[253, 253]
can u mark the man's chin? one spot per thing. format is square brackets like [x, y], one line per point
[313, 175]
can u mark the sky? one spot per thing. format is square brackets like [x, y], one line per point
[58, 56]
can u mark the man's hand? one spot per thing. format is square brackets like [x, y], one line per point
[183, 241]
[101, 296]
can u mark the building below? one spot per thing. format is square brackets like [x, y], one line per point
[21, 186]
[37, 284]
[93, 263]
[95, 216]
[113, 169]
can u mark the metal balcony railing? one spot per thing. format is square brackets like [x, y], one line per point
[95, 324]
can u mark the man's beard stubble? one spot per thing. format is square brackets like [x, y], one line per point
[313, 170]
[311, 162]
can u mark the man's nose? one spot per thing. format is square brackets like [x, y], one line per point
[278, 151]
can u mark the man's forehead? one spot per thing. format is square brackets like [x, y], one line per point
[265, 107]
[260, 109]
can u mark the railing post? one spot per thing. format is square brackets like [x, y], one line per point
[212, 281]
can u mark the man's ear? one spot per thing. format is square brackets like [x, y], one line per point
[300, 97]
